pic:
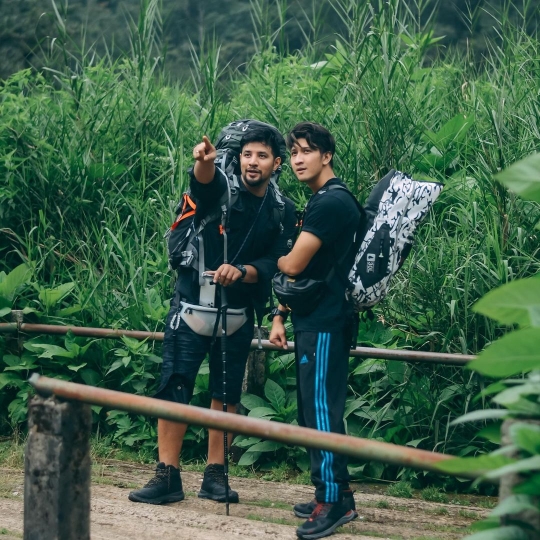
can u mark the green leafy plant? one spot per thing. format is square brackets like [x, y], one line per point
[93, 153]
[517, 355]
[10, 285]
[279, 406]
[400, 489]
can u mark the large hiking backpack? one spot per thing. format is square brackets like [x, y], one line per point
[184, 238]
[394, 209]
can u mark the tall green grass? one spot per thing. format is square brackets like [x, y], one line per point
[93, 160]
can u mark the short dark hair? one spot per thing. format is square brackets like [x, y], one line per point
[265, 136]
[317, 137]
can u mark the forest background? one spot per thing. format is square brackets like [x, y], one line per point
[100, 105]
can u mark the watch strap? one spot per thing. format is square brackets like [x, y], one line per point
[276, 311]
[243, 270]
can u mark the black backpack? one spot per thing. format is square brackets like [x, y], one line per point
[183, 237]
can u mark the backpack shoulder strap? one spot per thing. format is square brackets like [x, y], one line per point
[344, 188]
[339, 259]
[279, 210]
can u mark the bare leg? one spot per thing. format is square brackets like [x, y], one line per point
[215, 437]
[170, 439]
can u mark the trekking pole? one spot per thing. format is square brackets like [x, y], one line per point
[224, 382]
[224, 364]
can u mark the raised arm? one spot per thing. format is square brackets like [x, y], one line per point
[204, 154]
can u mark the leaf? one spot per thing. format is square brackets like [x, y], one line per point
[523, 177]
[49, 351]
[10, 379]
[66, 312]
[250, 401]
[12, 360]
[528, 464]
[486, 414]
[512, 395]
[525, 407]
[530, 486]
[115, 365]
[479, 464]
[90, 377]
[512, 532]
[76, 368]
[51, 297]
[370, 365]
[375, 334]
[249, 458]
[452, 131]
[266, 446]
[514, 504]
[517, 302]
[5, 311]
[416, 442]
[353, 406]
[12, 281]
[262, 412]
[514, 353]
[275, 394]
[245, 442]
[491, 433]
[493, 388]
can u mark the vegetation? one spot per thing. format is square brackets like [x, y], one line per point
[29, 36]
[92, 161]
[514, 304]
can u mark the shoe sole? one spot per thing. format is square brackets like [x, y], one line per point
[172, 497]
[307, 516]
[207, 495]
[345, 519]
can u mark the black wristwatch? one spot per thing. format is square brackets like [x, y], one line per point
[242, 269]
[276, 311]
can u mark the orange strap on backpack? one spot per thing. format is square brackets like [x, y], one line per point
[188, 209]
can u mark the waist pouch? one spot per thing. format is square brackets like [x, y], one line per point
[202, 319]
[301, 296]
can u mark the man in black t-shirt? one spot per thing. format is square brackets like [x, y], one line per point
[323, 336]
[259, 231]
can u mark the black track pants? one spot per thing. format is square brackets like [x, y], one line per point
[322, 361]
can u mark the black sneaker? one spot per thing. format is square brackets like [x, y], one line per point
[213, 485]
[304, 510]
[324, 520]
[165, 487]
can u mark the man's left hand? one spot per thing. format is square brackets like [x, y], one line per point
[226, 275]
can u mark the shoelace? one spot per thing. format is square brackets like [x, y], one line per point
[217, 476]
[161, 474]
[321, 509]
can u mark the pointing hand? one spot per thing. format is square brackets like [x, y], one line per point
[204, 151]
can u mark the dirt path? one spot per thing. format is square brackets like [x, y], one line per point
[264, 511]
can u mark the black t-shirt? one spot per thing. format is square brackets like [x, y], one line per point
[333, 216]
[255, 237]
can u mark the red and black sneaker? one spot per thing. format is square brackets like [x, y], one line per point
[324, 520]
[304, 510]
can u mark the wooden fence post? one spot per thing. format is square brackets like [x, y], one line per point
[509, 481]
[57, 470]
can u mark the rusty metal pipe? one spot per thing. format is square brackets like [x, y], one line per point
[276, 431]
[360, 352]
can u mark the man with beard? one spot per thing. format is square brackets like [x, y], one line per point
[257, 235]
[323, 251]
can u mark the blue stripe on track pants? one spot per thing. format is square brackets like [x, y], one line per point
[322, 361]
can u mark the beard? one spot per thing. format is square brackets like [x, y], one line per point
[255, 182]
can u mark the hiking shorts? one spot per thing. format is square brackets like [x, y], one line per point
[184, 352]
